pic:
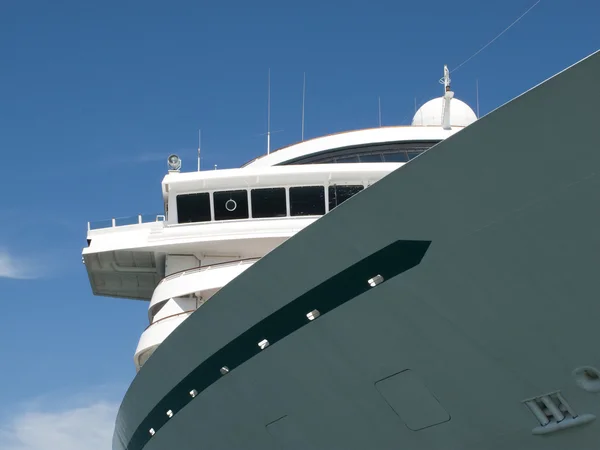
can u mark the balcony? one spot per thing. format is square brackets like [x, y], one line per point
[201, 282]
[178, 295]
[155, 334]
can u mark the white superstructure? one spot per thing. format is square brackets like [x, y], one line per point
[218, 223]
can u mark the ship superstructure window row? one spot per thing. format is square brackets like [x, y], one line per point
[262, 203]
[372, 153]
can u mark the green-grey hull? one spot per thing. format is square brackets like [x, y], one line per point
[489, 249]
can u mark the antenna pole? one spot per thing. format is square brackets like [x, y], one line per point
[448, 95]
[269, 114]
[477, 95]
[303, 99]
[415, 105]
[199, 145]
[379, 104]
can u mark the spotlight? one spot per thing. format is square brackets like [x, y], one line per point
[174, 162]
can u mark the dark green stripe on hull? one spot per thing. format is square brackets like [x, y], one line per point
[381, 266]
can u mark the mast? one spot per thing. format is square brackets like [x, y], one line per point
[477, 95]
[269, 114]
[303, 98]
[199, 144]
[448, 94]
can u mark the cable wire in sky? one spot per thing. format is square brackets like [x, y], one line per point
[492, 41]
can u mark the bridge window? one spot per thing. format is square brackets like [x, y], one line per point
[307, 201]
[230, 205]
[384, 152]
[193, 208]
[339, 194]
[400, 156]
[347, 159]
[372, 158]
[268, 203]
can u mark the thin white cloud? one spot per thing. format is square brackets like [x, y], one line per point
[16, 267]
[140, 158]
[150, 157]
[86, 425]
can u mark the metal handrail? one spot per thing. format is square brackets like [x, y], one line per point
[168, 317]
[141, 218]
[203, 268]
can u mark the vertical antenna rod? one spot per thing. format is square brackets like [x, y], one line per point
[303, 98]
[269, 114]
[379, 104]
[448, 95]
[477, 95]
[199, 145]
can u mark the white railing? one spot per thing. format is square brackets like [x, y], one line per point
[188, 312]
[123, 221]
[238, 262]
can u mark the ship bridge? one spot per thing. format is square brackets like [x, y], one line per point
[218, 223]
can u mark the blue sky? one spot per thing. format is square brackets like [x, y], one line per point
[95, 95]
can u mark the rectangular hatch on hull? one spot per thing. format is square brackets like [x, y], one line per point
[410, 399]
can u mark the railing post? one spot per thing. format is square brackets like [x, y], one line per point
[114, 222]
[139, 218]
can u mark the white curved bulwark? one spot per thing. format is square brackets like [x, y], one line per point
[200, 281]
[179, 295]
[155, 334]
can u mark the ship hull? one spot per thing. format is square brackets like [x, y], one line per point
[490, 244]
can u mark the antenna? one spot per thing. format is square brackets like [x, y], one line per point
[303, 98]
[445, 80]
[379, 104]
[518, 19]
[269, 114]
[477, 95]
[415, 105]
[199, 145]
[448, 95]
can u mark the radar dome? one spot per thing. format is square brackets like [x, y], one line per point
[430, 114]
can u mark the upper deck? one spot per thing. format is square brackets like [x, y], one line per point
[218, 216]
[354, 143]
[224, 215]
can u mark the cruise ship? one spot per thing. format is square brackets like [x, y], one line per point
[427, 287]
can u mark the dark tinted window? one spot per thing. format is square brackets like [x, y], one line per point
[339, 194]
[373, 157]
[388, 152]
[231, 205]
[400, 156]
[347, 159]
[268, 202]
[193, 208]
[307, 201]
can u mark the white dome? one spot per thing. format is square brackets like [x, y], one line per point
[430, 114]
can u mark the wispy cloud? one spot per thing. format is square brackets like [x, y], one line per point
[17, 267]
[86, 425]
[148, 157]
[139, 158]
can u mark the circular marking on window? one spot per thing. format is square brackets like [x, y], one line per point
[587, 378]
[230, 205]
